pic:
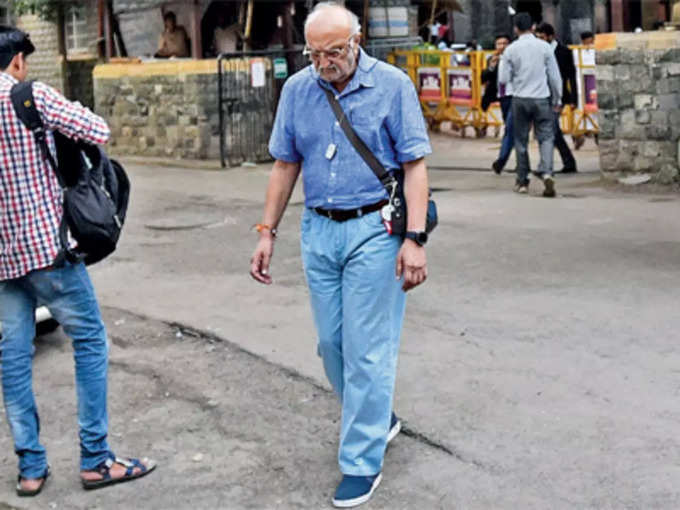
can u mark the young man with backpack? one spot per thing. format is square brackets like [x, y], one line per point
[33, 270]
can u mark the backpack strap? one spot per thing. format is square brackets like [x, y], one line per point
[23, 101]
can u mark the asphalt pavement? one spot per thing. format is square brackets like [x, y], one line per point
[538, 366]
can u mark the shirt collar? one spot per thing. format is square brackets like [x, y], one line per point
[8, 78]
[553, 44]
[525, 36]
[362, 75]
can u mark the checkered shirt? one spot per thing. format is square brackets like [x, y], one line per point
[30, 195]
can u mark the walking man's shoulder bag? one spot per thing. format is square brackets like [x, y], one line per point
[396, 208]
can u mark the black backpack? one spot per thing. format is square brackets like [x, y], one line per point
[96, 188]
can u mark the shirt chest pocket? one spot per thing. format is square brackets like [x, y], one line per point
[368, 124]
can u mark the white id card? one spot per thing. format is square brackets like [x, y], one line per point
[331, 150]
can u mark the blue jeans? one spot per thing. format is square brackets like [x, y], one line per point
[358, 309]
[68, 294]
[508, 141]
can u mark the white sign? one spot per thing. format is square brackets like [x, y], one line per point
[257, 73]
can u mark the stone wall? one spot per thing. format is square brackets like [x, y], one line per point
[639, 100]
[45, 64]
[160, 109]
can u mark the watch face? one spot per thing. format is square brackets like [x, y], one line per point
[421, 238]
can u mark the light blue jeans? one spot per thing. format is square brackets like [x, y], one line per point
[358, 308]
[68, 294]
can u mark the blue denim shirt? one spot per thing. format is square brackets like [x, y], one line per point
[382, 106]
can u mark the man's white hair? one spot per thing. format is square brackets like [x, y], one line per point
[355, 27]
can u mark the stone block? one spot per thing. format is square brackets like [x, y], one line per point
[626, 157]
[669, 102]
[604, 73]
[607, 57]
[607, 100]
[631, 56]
[622, 72]
[643, 116]
[669, 55]
[668, 174]
[672, 69]
[609, 153]
[642, 164]
[625, 100]
[668, 85]
[674, 122]
[657, 132]
[650, 149]
[645, 101]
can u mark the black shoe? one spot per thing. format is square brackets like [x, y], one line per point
[549, 184]
[497, 167]
[569, 170]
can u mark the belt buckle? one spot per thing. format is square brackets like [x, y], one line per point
[330, 214]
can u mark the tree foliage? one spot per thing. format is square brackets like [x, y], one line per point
[45, 9]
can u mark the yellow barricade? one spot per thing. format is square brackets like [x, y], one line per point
[449, 85]
[584, 119]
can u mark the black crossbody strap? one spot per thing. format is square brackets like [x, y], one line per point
[366, 154]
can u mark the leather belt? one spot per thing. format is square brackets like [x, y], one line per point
[349, 214]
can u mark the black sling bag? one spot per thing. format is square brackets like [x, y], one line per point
[96, 189]
[392, 183]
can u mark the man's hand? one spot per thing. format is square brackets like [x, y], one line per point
[259, 262]
[411, 264]
[557, 108]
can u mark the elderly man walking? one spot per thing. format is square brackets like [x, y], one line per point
[528, 65]
[356, 270]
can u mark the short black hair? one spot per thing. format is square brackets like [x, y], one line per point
[502, 36]
[545, 28]
[170, 15]
[523, 21]
[12, 42]
[587, 34]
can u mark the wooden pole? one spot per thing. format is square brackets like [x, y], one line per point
[364, 24]
[434, 10]
[249, 25]
[196, 43]
[108, 32]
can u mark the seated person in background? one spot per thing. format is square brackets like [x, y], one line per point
[587, 38]
[225, 37]
[173, 42]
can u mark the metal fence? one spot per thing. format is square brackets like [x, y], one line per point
[249, 84]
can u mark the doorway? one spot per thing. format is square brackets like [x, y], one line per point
[533, 7]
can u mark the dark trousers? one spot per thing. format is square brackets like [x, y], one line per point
[508, 141]
[525, 112]
[568, 160]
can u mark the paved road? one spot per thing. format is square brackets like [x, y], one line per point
[538, 366]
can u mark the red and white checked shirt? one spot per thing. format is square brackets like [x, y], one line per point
[30, 195]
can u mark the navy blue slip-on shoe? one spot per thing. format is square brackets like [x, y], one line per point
[355, 490]
[395, 428]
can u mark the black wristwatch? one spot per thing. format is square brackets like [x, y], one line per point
[419, 237]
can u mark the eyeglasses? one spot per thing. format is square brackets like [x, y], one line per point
[332, 54]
